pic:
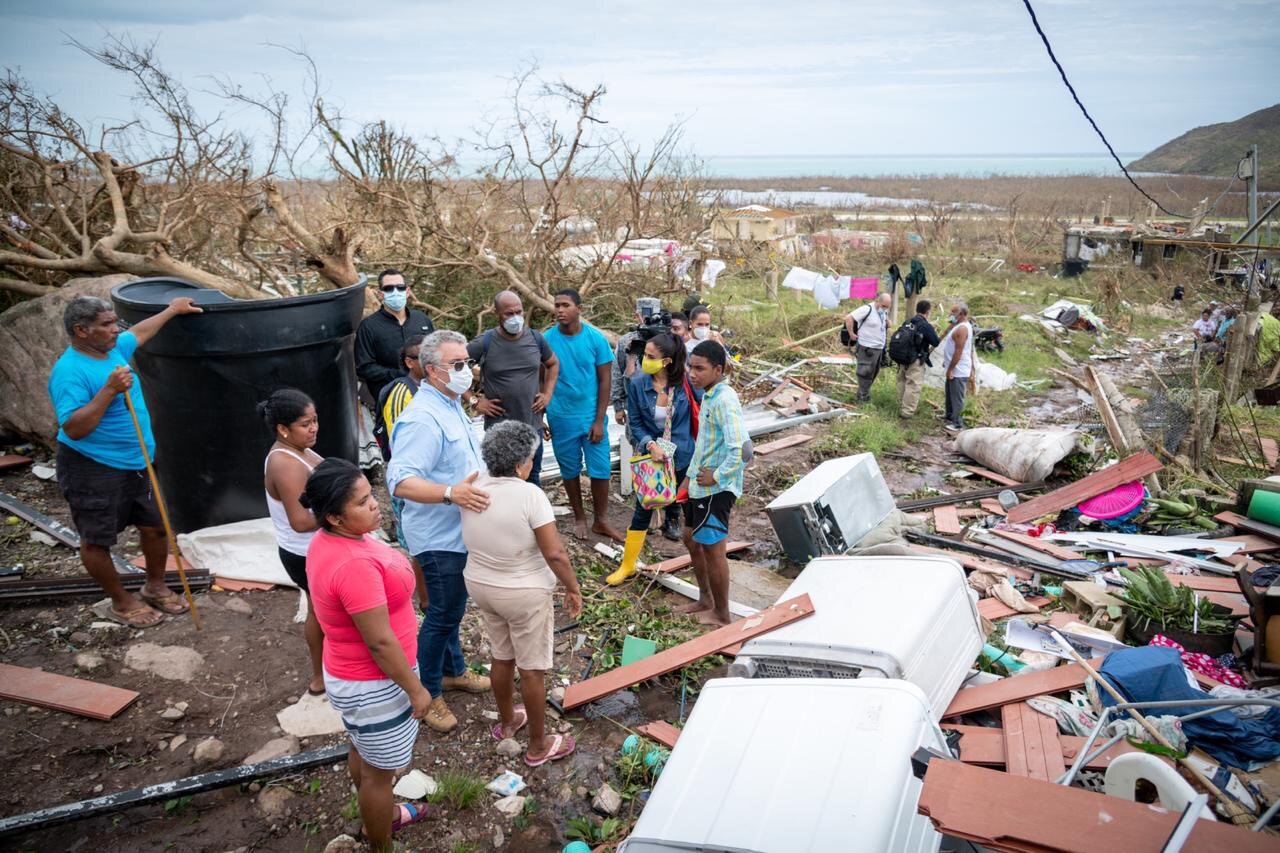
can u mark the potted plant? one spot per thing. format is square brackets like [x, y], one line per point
[1156, 606]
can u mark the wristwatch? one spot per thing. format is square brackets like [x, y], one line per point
[448, 495]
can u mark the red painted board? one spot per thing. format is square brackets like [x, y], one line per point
[63, 693]
[684, 561]
[1134, 468]
[682, 655]
[661, 731]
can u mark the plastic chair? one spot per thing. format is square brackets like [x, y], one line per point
[1123, 773]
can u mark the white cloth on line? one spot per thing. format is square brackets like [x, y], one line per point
[800, 279]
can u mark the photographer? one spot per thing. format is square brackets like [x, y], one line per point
[650, 320]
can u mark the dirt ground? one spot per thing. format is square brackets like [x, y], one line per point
[254, 665]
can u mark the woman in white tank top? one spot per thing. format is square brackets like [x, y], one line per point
[292, 417]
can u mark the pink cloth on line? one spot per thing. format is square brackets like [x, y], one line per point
[864, 288]
[349, 576]
[1202, 663]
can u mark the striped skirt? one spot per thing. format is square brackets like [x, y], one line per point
[378, 717]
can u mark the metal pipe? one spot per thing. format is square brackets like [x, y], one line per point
[1275, 205]
[1066, 778]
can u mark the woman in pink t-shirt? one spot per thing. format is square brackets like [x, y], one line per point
[362, 592]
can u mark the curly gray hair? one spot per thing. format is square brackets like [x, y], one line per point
[429, 349]
[506, 446]
[82, 311]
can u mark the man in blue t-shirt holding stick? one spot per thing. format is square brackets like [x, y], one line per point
[101, 470]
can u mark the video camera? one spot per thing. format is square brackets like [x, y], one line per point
[653, 321]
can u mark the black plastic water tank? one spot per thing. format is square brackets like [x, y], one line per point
[203, 375]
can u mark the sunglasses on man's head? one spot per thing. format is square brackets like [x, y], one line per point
[387, 288]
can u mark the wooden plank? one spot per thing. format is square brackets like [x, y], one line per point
[684, 561]
[1056, 551]
[12, 460]
[1054, 755]
[62, 693]
[991, 475]
[1017, 689]
[1037, 760]
[682, 655]
[1271, 451]
[985, 746]
[994, 608]
[973, 562]
[992, 506]
[1004, 812]
[1205, 583]
[1016, 760]
[661, 731]
[945, 520]
[782, 443]
[233, 585]
[1134, 468]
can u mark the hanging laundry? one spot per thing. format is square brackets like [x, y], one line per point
[711, 271]
[800, 279]
[864, 288]
[824, 290]
[915, 281]
[681, 271]
[843, 283]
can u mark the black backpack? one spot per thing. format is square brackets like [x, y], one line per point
[907, 344]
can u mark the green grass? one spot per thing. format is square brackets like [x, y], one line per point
[456, 789]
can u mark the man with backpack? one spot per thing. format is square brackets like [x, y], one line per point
[866, 331]
[909, 348]
[518, 371]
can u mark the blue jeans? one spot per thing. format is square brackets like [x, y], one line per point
[535, 475]
[439, 649]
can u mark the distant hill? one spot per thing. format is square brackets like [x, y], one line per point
[1215, 149]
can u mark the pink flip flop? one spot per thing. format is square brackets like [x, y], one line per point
[521, 714]
[562, 746]
[407, 814]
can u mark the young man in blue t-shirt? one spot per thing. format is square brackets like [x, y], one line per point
[576, 412]
[101, 471]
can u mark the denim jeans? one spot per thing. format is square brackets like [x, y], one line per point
[439, 649]
[535, 475]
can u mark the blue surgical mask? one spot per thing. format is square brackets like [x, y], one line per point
[396, 299]
[513, 324]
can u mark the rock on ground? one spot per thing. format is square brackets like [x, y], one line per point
[178, 663]
[274, 801]
[512, 805]
[89, 661]
[275, 748]
[238, 605]
[31, 339]
[208, 750]
[509, 748]
[607, 801]
[311, 716]
[177, 742]
[342, 844]
[415, 785]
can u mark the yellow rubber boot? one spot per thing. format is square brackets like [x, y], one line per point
[630, 553]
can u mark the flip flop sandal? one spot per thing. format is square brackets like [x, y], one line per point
[408, 814]
[171, 604]
[136, 618]
[562, 746]
[521, 715]
[319, 692]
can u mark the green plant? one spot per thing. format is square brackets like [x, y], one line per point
[633, 773]
[351, 810]
[177, 805]
[591, 831]
[527, 814]
[314, 786]
[457, 789]
[463, 847]
[1152, 598]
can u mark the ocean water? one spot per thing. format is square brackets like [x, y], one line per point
[875, 165]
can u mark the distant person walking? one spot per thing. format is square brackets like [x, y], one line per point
[291, 416]
[362, 591]
[518, 372]
[868, 329]
[576, 414]
[957, 356]
[100, 467]
[918, 339]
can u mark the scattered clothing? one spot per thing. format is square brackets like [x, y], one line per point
[915, 281]
[1202, 663]
[75, 380]
[1223, 691]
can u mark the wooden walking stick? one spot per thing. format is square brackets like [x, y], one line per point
[1234, 810]
[164, 513]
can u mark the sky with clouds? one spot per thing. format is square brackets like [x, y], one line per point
[751, 77]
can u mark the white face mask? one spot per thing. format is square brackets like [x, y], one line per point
[702, 332]
[513, 324]
[396, 299]
[460, 380]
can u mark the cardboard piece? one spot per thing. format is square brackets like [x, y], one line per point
[63, 693]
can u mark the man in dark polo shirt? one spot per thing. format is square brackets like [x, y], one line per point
[518, 371]
[383, 333]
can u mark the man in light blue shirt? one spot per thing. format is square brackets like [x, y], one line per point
[101, 470]
[435, 459]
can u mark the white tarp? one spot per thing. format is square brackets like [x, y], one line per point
[1055, 310]
[1026, 455]
[243, 551]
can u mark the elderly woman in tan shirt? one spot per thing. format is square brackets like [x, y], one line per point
[515, 557]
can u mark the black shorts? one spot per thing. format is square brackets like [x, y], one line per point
[295, 567]
[708, 517]
[104, 500]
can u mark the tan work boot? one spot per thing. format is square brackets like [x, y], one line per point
[468, 681]
[439, 718]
